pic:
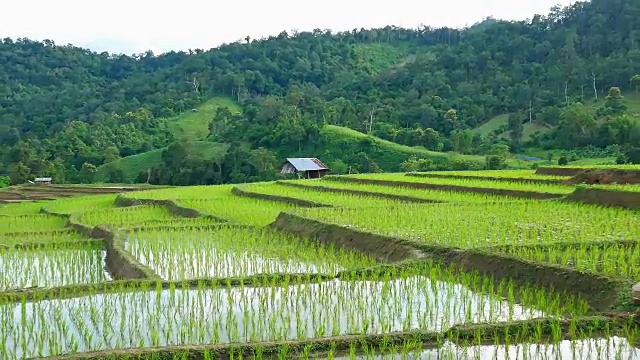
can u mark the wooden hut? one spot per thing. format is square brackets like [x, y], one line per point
[311, 167]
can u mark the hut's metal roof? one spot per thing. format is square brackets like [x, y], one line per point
[43, 179]
[306, 164]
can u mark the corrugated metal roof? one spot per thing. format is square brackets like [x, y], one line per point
[43, 179]
[306, 164]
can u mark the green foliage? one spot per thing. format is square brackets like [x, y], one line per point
[563, 160]
[4, 181]
[62, 106]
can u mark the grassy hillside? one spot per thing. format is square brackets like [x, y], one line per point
[194, 126]
[631, 100]
[190, 126]
[135, 164]
[341, 143]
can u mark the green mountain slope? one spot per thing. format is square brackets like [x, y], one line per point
[342, 143]
[632, 101]
[191, 126]
[194, 125]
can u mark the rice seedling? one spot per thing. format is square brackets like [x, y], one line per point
[238, 209]
[427, 194]
[584, 349]
[53, 266]
[610, 259]
[488, 224]
[284, 311]
[22, 208]
[31, 223]
[81, 204]
[615, 187]
[506, 174]
[38, 238]
[136, 216]
[347, 200]
[485, 184]
[235, 252]
[191, 192]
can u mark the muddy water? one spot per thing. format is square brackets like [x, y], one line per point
[50, 268]
[169, 317]
[589, 349]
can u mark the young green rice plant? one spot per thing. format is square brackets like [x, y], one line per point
[31, 223]
[611, 259]
[485, 184]
[22, 208]
[38, 238]
[235, 252]
[239, 210]
[52, 266]
[478, 225]
[81, 204]
[177, 193]
[522, 175]
[335, 199]
[426, 194]
[429, 298]
[583, 349]
[616, 187]
[136, 216]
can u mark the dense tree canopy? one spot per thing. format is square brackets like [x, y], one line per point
[65, 110]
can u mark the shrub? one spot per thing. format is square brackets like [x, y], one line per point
[563, 160]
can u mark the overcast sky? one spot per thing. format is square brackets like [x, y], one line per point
[134, 26]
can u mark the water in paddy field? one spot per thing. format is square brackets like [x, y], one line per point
[50, 268]
[169, 317]
[193, 260]
[170, 265]
[588, 349]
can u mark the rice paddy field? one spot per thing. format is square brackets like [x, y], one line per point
[363, 266]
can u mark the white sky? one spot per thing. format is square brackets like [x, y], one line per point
[134, 26]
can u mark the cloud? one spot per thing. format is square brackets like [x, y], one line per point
[133, 26]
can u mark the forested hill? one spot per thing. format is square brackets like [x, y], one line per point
[65, 110]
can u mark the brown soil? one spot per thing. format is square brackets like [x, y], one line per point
[558, 171]
[289, 200]
[457, 188]
[359, 192]
[594, 176]
[626, 199]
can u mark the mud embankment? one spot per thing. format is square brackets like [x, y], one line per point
[383, 248]
[600, 291]
[453, 188]
[283, 199]
[558, 171]
[120, 263]
[625, 199]
[358, 192]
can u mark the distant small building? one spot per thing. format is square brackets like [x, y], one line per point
[43, 181]
[311, 167]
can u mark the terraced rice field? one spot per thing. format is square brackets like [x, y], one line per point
[337, 268]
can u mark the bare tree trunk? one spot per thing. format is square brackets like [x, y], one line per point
[566, 92]
[530, 111]
[593, 82]
[195, 83]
